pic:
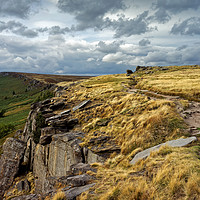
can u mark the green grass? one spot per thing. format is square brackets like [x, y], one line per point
[16, 97]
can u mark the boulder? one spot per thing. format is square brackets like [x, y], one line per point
[72, 193]
[77, 181]
[81, 168]
[173, 143]
[13, 152]
[23, 185]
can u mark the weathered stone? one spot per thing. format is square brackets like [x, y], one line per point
[57, 106]
[26, 185]
[47, 101]
[40, 167]
[20, 186]
[173, 143]
[18, 132]
[64, 151]
[13, 152]
[48, 131]
[79, 180]
[63, 123]
[71, 194]
[59, 123]
[65, 112]
[81, 168]
[55, 117]
[46, 139]
[23, 185]
[47, 111]
[91, 157]
[81, 105]
[27, 197]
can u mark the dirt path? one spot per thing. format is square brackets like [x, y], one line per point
[191, 114]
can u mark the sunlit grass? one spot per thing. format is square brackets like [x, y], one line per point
[183, 82]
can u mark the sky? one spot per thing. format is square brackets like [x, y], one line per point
[94, 37]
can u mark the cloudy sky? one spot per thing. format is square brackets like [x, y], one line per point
[97, 36]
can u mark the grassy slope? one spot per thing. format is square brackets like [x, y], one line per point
[17, 106]
[134, 123]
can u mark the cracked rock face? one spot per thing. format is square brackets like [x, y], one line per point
[57, 158]
[52, 155]
[13, 152]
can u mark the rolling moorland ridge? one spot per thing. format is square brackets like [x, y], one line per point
[18, 92]
[81, 143]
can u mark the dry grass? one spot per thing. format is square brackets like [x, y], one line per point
[136, 122]
[182, 81]
[170, 173]
[60, 196]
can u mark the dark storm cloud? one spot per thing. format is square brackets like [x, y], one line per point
[17, 28]
[128, 27]
[90, 13]
[17, 8]
[189, 26]
[165, 8]
[177, 6]
[109, 48]
[144, 42]
[161, 16]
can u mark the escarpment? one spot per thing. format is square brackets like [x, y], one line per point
[51, 150]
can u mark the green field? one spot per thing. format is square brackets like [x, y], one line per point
[16, 96]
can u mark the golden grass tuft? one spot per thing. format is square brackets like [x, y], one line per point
[60, 196]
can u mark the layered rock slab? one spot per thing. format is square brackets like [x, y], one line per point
[173, 143]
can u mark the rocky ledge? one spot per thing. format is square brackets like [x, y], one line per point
[50, 149]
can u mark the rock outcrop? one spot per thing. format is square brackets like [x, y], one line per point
[10, 161]
[51, 149]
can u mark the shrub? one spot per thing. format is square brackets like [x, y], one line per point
[46, 94]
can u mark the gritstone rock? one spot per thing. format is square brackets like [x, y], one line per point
[173, 143]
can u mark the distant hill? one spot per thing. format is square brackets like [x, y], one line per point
[18, 91]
